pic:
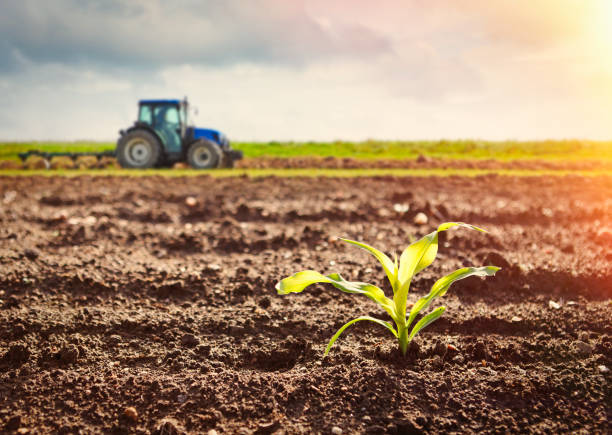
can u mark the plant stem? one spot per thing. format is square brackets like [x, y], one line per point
[403, 339]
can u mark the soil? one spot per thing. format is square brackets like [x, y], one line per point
[422, 162]
[147, 305]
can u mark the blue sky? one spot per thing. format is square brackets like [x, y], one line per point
[310, 70]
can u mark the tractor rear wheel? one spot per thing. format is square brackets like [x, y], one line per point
[203, 154]
[139, 149]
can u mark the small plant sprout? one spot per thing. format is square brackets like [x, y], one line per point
[414, 259]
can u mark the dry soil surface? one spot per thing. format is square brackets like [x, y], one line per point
[139, 305]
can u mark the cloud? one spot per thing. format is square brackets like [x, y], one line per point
[156, 33]
[308, 69]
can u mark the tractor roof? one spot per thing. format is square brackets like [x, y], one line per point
[159, 102]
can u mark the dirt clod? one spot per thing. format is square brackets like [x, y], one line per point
[69, 354]
[13, 423]
[189, 340]
[17, 354]
[130, 414]
[583, 348]
[168, 426]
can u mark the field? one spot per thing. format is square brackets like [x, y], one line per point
[445, 149]
[147, 304]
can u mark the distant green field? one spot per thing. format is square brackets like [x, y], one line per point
[460, 149]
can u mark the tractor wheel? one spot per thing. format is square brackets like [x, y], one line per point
[139, 149]
[203, 154]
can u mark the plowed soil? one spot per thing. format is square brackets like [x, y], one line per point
[139, 305]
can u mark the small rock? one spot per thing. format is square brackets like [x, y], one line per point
[553, 305]
[336, 430]
[367, 419]
[212, 432]
[516, 319]
[190, 340]
[401, 208]
[190, 201]
[603, 369]
[583, 348]
[131, 414]
[571, 303]
[31, 254]
[69, 354]
[420, 219]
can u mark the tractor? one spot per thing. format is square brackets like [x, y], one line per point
[161, 137]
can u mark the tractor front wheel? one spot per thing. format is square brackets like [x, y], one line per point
[138, 149]
[203, 154]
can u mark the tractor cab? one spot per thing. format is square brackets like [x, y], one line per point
[168, 118]
[161, 136]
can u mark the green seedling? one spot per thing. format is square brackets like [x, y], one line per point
[414, 259]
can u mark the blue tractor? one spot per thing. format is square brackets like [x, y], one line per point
[162, 136]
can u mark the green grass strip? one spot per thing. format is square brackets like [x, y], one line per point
[373, 149]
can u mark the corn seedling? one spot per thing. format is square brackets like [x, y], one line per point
[414, 259]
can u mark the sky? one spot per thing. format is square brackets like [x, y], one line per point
[310, 70]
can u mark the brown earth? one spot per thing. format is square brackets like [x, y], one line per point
[138, 305]
[422, 162]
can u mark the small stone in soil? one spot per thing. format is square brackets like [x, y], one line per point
[420, 219]
[553, 305]
[603, 369]
[190, 201]
[131, 414]
[583, 348]
[336, 430]
[190, 340]
[31, 254]
[69, 354]
[516, 319]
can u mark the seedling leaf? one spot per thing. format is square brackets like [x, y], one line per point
[425, 321]
[388, 266]
[442, 285]
[417, 257]
[358, 319]
[299, 281]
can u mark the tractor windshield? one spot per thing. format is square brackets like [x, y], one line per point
[145, 114]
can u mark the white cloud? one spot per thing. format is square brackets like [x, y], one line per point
[307, 70]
